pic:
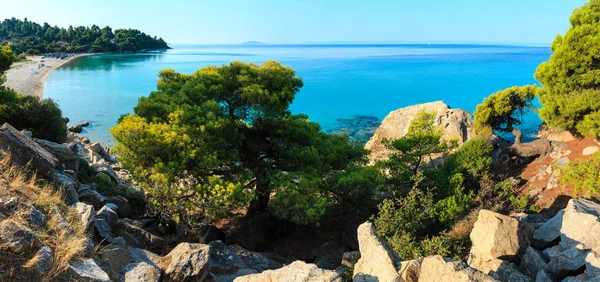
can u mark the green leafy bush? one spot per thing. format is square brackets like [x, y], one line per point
[583, 175]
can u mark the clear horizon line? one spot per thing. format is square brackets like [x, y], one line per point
[441, 42]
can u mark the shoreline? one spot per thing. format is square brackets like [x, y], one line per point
[28, 80]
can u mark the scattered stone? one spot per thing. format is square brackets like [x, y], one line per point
[87, 270]
[255, 260]
[543, 276]
[116, 256]
[85, 124]
[83, 187]
[75, 128]
[122, 204]
[549, 232]
[532, 262]
[93, 198]
[497, 236]
[349, 259]
[377, 258]
[138, 237]
[590, 150]
[27, 133]
[17, 237]
[567, 262]
[563, 161]
[295, 272]
[545, 169]
[141, 255]
[85, 140]
[437, 269]
[553, 182]
[141, 272]
[108, 215]
[36, 218]
[24, 151]
[44, 260]
[68, 185]
[328, 255]
[551, 252]
[59, 222]
[592, 265]
[199, 262]
[87, 213]
[581, 224]
[410, 270]
[12, 203]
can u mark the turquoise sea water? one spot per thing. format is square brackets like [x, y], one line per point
[340, 81]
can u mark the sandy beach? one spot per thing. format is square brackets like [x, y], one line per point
[28, 79]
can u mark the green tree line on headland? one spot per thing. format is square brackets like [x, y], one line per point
[25, 36]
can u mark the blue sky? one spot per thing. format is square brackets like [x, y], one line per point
[295, 21]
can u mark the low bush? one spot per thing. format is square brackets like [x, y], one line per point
[583, 175]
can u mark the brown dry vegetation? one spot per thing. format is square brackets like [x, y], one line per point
[66, 241]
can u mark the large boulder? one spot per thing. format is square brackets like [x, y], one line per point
[581, 224]
[116, 256]
[456, 123]
[436, 269]
[16, 237]
[567, 262]
[200, 262]
[24, 151]
[377, 258]
[93, 198]
[497, 238]
[532, 262]
[297, 271]
[65, 156]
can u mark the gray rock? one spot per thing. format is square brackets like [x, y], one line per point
[199, 262]
[549, 232]
[116, 256]
[93, 198]
[543, 276]
[108, 215]
[68, 187]
[16, 237]
[567, 262]
[141, 255]
[12, 203]
[581, 224]
[255, 260]
[36, 218]
[141, 272]
[44, 259]
[64, 155]
[532, 262]
[27, 133]
[138, 237]
[123, 206]
[87, 270]
[87, 213]
[563, 161]
[24, 151]
[349, 259]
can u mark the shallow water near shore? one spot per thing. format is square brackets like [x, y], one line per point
[340, 81]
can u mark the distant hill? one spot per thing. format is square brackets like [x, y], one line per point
[253, 43]
[25, 36]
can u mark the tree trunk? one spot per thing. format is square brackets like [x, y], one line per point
[517, 134]
[263, 193]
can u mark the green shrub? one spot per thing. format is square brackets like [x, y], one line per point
[583, 175]
[356, 188]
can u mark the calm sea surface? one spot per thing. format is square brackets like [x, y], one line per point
[340, 81]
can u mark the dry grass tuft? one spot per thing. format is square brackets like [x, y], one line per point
[67, 241]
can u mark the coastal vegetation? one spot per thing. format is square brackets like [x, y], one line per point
[570, 94]
[25, 36]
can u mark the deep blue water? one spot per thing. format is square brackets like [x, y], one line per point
[340, 81]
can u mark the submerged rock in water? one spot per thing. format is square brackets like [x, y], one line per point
[360, 128]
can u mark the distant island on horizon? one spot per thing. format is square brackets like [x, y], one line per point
[253, 43]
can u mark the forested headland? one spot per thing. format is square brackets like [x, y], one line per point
[24, 36]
